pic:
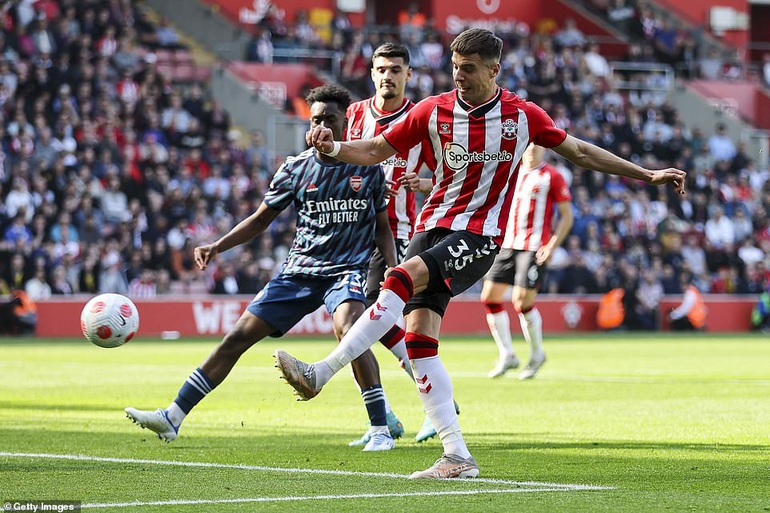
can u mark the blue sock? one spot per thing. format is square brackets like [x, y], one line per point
[197, 386]
[374, 399]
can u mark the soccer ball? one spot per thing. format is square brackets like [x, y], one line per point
[109, 320]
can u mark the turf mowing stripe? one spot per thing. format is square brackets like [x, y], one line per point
[78, 457]
[186, 502]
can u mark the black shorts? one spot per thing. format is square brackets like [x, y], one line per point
[516, 267]
[377, 270]
[455, 259]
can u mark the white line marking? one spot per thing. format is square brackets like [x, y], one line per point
[555, 378]
[317, 497]
[78, 457]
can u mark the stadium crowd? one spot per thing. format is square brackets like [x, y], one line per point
[111, 173]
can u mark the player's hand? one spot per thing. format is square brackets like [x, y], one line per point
[543, 254]
[320, 138]
[391, 189]
[203, 255]
[385, 275]
[671, 176]
[410, 181]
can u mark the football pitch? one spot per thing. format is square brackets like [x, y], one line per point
[616, 423]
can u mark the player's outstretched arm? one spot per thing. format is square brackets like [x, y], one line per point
[361, 153]
[383, 238]
[243, 232]
[563, 227]
[590, 156]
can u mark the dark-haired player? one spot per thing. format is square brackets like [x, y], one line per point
[477, 134]
[341, 213]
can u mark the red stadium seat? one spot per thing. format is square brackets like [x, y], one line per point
[183, 56]
[203, 73]
[184, 73]
[164, 56]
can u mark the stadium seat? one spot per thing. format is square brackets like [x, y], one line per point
[203, 73]
[164, 56]
[183, 56]
[184, 73]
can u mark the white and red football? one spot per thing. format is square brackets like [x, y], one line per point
[109, 320]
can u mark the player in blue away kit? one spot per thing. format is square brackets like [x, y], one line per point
[341, 213]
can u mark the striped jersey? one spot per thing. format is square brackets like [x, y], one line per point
[475, 151]
[537, 191]
[336, 209]
[366, 121]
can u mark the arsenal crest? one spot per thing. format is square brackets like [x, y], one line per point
[509, 127]
[356, 182]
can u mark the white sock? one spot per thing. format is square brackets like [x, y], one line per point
[175, 414]
[532, 327]
[438, 403]
[500, 327]
[368, 329]
[399, 351]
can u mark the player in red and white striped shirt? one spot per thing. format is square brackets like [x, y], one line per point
[527, 249]
[477, 135]
[368, 119]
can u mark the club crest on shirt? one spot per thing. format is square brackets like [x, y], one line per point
[356, 182]
[445, 129]
[355, 133]
[509, 127]
[311, 188]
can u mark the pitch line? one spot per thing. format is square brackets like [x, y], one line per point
[184, 502]
[199, 464]
[653, 380]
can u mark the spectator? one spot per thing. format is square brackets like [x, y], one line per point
[143, 286]
[59, 283]
[719, 230]
[570, 35]
[765, 75]
[691, 313]
[37, 287]
[166, 36]
[114, 203]
[710, 66]
[411, 22]
[597, 64]
[260, 48]
[720, 145]
[111, 278]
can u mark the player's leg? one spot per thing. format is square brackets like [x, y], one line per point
[278, 307]
[499, 323]
[367, 374]
[523, 298]
[247, 331]
[435, 390]
[400, 285]
[393, 340]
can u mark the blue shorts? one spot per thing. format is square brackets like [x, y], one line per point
[286, 299]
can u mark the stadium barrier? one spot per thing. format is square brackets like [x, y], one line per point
[211, 316]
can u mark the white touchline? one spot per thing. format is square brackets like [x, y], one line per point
[317, 497]
[79, 457]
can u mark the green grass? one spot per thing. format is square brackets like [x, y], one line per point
[669, 423]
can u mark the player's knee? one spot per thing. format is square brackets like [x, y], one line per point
[492, 307]
[522, 304]
[400, 283]
[420, 346]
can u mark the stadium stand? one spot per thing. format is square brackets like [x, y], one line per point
[116, 161]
